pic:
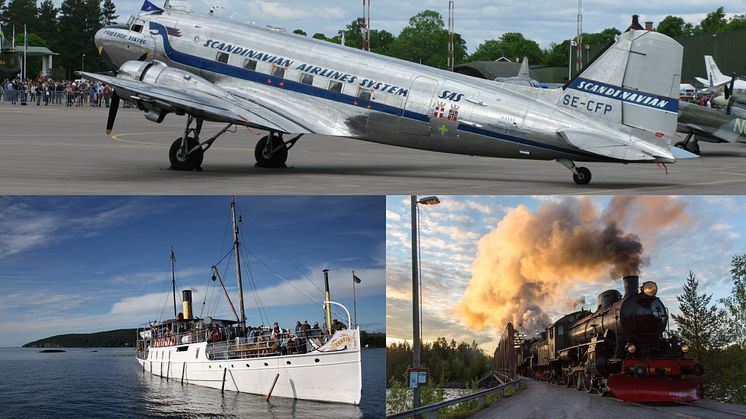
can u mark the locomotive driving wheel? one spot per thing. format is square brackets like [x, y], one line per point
[569, 381]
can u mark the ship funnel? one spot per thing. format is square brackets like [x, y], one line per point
[631, 285]
[187, 297]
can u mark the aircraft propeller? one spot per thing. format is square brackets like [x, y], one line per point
[112, 112]
[729, 94]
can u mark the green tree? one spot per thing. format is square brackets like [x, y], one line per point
[300, 32]
[714, 21]
[19, 13]
[737, 23]
[511, 45]
[353, 33]
[108, 13]
[425, 40]
[381, 41]
[735, 304]
[319, 35]
[703, 325]
[46, 26]
[78, 22]
[674, 26]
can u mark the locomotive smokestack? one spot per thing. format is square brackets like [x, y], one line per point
[631, 285]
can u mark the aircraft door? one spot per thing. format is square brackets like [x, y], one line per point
[416, 120]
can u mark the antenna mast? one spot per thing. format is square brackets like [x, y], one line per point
[365, 44]
[579, 59]
[451, 17]
[238, 265]
[173, 278]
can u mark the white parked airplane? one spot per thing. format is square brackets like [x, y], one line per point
[622, 109]
[715, 78]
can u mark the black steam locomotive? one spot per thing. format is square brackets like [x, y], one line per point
[620, 349]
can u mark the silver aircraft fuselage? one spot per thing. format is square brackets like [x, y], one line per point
[329, 89]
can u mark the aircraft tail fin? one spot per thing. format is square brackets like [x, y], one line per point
[524, 71]
[714, 77]
[635, 82]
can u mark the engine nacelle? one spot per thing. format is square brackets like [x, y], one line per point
[159, 74]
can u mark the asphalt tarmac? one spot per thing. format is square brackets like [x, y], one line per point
[60, 150]
[543, 400]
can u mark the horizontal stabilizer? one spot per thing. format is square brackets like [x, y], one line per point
[598, 144]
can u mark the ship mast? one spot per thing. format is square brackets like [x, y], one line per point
[173, 278]
[238, 265]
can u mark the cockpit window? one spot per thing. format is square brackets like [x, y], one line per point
[137, 28]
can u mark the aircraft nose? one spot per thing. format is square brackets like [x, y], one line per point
[98, 39]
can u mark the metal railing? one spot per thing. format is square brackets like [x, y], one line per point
[432, 409]
[55, 97]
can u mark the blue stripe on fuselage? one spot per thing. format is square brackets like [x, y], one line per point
[253, 76]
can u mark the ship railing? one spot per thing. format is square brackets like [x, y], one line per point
[266, 345]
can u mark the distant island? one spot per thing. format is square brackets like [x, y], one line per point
[126, 338]
[109, 339]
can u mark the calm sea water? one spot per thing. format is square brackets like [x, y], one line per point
[81, 383]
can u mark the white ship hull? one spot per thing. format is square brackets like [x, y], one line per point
[330, 374]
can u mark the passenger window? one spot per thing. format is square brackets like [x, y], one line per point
[222, 57]
[335, 86]
[306, 79]
[560, 330]
[278, 71]
[363, 94]
[249, 64]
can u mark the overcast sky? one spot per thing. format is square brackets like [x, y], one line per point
[544, 21]
[703, 238]
[87, 264]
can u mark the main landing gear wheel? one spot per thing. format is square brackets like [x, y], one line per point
[179, 158]
[583, 176]
[271, 152]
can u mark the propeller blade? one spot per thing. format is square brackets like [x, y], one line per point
[732, 85]
[112, 112]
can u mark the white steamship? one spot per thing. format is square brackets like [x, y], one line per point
[322, 364]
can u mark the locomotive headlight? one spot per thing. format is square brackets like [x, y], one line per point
[631, 348]
[650, 288]
[685, 347]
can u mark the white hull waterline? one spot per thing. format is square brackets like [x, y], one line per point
[331, 373]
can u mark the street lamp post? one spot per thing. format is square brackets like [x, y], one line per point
[416, 363]
[82, 63]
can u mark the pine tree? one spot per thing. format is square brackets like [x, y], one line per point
[108, 13]
[46, 26]
[736, 302]
[19, 13]
[703, 325]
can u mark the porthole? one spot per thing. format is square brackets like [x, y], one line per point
[317, 360]
[266, 364]
[288, 362]
[247, 365]
[231, 365]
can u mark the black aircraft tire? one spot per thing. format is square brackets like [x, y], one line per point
[583, 177]
[190, 162]
[274, 161]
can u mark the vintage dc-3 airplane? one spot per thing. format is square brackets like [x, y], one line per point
[622, 109]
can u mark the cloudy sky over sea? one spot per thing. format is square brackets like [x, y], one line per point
[477, 20]
[489, 260]
[87, 264]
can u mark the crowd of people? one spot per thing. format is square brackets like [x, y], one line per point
[701, 99]
[45, 91]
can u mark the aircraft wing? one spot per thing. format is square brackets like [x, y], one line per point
[201, 104]
[615, 149]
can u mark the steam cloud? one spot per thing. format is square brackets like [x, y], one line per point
[530, 259]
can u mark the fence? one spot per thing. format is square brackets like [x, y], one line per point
[17, 97]
[432, 409]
